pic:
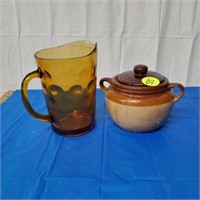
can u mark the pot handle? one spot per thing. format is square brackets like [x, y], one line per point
[101, 83]
[180, 94]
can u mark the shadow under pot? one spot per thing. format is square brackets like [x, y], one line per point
[140, 100]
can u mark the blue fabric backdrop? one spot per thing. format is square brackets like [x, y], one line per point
[108, 162]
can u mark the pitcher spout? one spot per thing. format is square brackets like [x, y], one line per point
[72, 50]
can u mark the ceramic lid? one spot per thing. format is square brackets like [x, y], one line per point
[140, 81]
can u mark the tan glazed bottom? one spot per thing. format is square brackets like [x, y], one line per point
[139, 118]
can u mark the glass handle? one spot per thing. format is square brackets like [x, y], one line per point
[24, 94]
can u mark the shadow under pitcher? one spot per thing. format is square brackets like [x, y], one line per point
[68, 77]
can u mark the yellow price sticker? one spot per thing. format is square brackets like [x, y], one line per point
[150, 81]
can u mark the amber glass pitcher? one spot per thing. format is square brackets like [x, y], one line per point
[68, 77]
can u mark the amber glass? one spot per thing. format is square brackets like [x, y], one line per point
[68, 77]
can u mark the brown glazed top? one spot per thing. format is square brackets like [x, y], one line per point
[131, 82]
[140, 87]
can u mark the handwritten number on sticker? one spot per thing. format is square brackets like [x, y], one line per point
[150, 81]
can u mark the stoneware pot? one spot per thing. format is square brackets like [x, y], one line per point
[140, 100]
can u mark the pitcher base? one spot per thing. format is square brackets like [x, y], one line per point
[73, 133]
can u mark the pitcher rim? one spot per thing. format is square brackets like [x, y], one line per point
[93, 50]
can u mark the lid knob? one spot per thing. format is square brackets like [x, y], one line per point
[140, 70]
